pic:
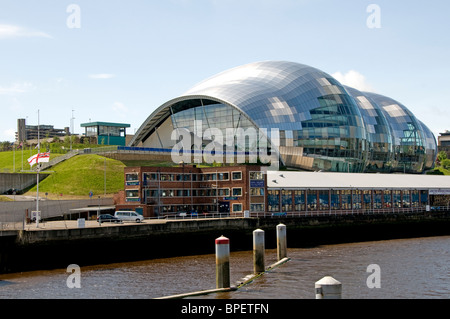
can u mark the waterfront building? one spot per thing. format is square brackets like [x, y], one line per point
[302, 114]
[249, 190]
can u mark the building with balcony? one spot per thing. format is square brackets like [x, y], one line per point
[249, 190]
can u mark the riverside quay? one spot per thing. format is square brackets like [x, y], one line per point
[251, 191]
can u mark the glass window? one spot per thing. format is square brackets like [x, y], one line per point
[397, 198]
[167, 177]
[335, 202]
[406, 198]
[324, 200]
[377, 199]
[91, 131]
[415, 198]
[151, 193]
[387, 199]
[237, 175]
[346, 199]
[367, 196]
[273, 200]
[286, 199]
[237, 191]
[257, 175]
[224, 176]
[423, 198]
[357, 199]
[257, 207]
[237, 207]
[150, 176]
[131, 177]
[132, 193]
[299, 200]
[257, 191]
[312, 200]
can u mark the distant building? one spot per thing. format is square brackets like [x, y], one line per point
[107, 133]
[444, 142]
[30, 132]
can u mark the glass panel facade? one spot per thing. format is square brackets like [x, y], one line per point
[357, 199]
[397, 199]
[387, 200]
[312, 200]
[346, 199]
[324, 200]
[413, 143]
[377, 199]
[273, 200]
[406, 198]
[299, 199]
[286, 198]
[327, 126]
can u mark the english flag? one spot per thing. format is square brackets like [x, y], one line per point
[39, 158]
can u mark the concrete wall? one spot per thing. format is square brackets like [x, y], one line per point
[16, 211]
[18, 181]
[49, 249]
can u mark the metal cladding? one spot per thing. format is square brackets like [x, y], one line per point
[322, 124]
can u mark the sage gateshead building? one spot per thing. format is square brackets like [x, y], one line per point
[302, 114]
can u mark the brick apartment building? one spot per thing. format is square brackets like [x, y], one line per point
[159, 191]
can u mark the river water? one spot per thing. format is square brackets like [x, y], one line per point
[408, 268]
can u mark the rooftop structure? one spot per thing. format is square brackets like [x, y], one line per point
[107, 133]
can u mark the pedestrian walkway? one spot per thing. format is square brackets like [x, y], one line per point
[73, 224]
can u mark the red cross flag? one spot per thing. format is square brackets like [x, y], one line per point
[39, 158]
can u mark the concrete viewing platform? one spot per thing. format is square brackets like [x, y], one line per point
[73, 224]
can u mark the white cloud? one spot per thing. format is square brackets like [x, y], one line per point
[8, 31]
[17, 88]
[120, 108]
[354, 79]
[102, 76]
[9, 134]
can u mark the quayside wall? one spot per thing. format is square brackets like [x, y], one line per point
[52, 249]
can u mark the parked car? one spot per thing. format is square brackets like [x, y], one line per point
[107, 218]
[129, 216]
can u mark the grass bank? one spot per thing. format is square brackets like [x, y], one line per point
[82, 174]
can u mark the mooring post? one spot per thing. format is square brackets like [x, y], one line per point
[258, 251]
[281, 242]
[328, 288]
[222, 262]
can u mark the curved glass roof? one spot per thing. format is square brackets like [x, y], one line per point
[341, 128]
[273, 92]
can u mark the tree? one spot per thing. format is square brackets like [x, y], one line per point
[442, 156]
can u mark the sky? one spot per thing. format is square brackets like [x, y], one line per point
[117, 61]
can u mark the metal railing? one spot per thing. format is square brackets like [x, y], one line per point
[381, 211]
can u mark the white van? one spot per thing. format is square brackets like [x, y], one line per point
[129, 216]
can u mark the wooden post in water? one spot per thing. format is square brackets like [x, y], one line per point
[222, 262]
[281, 242]
[258, 251]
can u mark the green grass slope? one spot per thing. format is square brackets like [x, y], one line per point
[15, 160]
[82, 174]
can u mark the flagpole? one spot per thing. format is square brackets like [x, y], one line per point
[37, 178]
